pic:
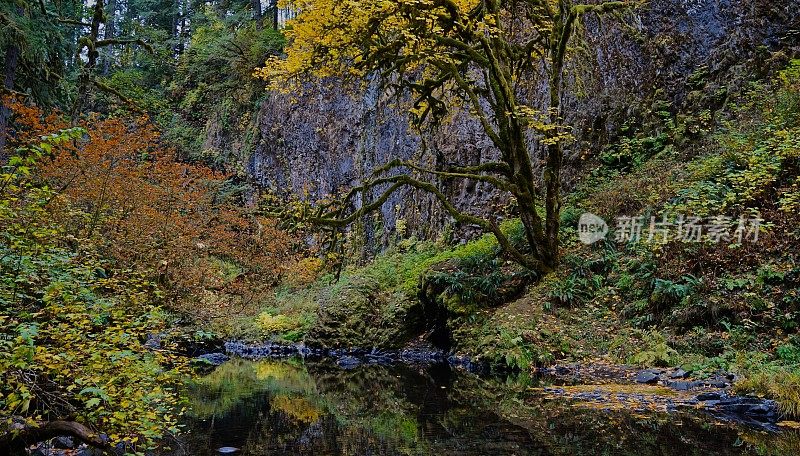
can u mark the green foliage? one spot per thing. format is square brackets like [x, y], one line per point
[133, 83]
[570, 291]
[42, 46]
[213, 85]
[477, 280]
[399, 268]
[472, 275]
[630, 153]
[789, 353]
[73, 328]
[758, 154]
[502, 347]
[667, 293]
[468, 274]
[570, 216]
[286, 327]
[656, 351]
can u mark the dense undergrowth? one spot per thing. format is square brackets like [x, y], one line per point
[109, 250]
[72, 328]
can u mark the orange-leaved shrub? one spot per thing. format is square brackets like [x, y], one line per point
[124, 188]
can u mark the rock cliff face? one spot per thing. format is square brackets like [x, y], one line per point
[331, 137]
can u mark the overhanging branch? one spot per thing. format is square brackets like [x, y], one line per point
[335, 218]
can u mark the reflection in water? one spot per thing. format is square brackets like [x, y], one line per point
[288, 407]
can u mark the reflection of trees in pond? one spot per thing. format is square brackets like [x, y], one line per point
[373, 400]
[298, 408]
[766, 444]
[238, 380]
[292, 404]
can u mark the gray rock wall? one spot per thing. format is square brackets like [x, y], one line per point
[332, 136]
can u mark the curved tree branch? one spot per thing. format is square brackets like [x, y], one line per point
[20, 435]
[335, 219]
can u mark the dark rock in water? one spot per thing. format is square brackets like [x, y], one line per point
[376, 356]
[717, 382]
[348, 362]
[462, 361]
[85, 450]
[713, 396]
[680, 386]
[312, 434]
[680, 373]
[750, 411]
[648, 377]
[345, 357]
[596, 396]
[558, 391]
[562, 370]
[215, 359]
[750, 406]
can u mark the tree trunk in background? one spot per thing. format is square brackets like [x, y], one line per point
[183, 33]
[111, 12]
[257, 14]
[85, 76]
[275, 14]
[176, 22]
[9, 71]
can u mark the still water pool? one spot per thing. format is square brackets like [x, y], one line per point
[291, 407]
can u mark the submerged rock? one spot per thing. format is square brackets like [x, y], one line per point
[761, 410]
[214, 359]
[709, 396]
[64, 443]
[754, 412]
[347, 358]
[681, 386]
[348, 362]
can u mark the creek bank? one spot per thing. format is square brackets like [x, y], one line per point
[676, 378]
[758, 413]
[612, 387]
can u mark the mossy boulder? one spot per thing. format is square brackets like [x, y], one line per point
[358, 313]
